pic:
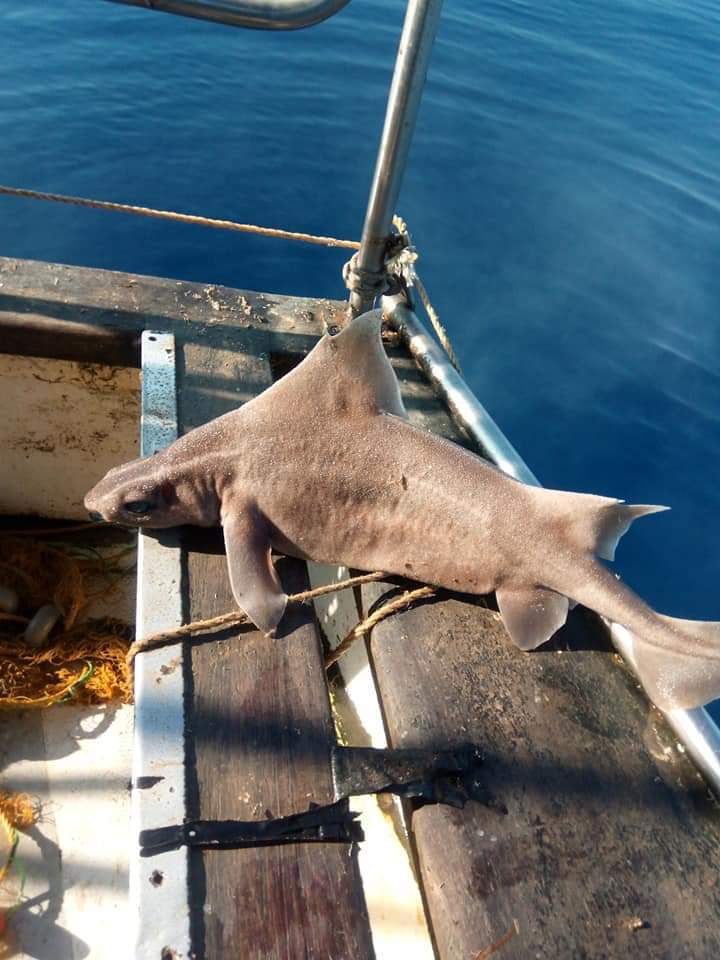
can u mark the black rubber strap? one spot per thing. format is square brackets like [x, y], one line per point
[334, 823]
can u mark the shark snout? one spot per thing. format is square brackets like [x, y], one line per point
[90, 503]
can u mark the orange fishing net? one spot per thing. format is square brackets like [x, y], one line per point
[8, 842]
[84, 659]
[18, 809]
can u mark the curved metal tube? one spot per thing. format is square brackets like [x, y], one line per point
[256, 14]
[694, 728]
[450, 387]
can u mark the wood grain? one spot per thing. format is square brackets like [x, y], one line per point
[262, 731]
[80, 313]
[610, 843]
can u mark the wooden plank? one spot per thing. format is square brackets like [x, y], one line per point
[261, 724]
[68, 312]
[610, 836]
[610, 843]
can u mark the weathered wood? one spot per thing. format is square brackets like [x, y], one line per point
[36, 335]
[262, 730]
[610, 843]
[68, 312]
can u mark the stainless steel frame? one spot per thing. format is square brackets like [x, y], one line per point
[450, 386]
[695, 729]
[421, 21]
[256, 14]
[418, 35]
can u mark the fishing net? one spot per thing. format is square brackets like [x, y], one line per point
[18, 811]
[84, 658]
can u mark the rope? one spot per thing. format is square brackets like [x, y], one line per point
[407, 259]
[368, 283]
[386, 610]
[180, 217]
[236, 617]
[60, 696]
[400, 263]
[494, 947]
[438, 327]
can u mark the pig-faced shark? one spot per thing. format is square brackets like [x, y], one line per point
[324, 465]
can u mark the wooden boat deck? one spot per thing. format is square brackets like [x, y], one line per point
[599, 838]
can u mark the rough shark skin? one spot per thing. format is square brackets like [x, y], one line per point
[325, 466]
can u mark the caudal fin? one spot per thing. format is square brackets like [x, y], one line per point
[686, 677]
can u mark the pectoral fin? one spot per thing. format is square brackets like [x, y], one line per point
[254, 581]
[531, 616]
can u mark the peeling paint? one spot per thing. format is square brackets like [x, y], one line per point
[64, 425]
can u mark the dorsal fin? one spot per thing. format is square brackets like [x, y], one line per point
[358, 357]
[596, 524]
[348, 374]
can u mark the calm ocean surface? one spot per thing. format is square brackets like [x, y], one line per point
[563, 190]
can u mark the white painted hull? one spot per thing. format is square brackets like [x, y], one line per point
[64, 424]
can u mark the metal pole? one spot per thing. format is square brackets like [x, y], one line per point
[416, 42]
[452, 389]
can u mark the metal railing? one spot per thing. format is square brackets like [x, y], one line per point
[256, 14]
[420, 26]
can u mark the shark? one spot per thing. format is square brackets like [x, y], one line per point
[325, 465]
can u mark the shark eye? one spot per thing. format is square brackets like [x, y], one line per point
[138, 506]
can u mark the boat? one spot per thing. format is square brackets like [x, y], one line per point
[525, 805]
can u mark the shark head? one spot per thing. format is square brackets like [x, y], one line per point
[146, 493]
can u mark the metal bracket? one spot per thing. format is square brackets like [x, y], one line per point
[332, 823]
[435, 776]
[159, 917]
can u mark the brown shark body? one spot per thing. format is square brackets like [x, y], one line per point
[325, 466]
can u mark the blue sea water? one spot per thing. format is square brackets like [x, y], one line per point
[563, 189]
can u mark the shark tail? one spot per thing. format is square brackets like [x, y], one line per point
[680, 676]
[678, 661]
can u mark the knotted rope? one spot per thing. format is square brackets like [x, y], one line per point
[236, 617]
[403, 263]
[400, 260]
[403, 602]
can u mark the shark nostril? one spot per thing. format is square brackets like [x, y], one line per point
[95, 516]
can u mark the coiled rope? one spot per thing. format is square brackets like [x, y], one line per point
[402, 261]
